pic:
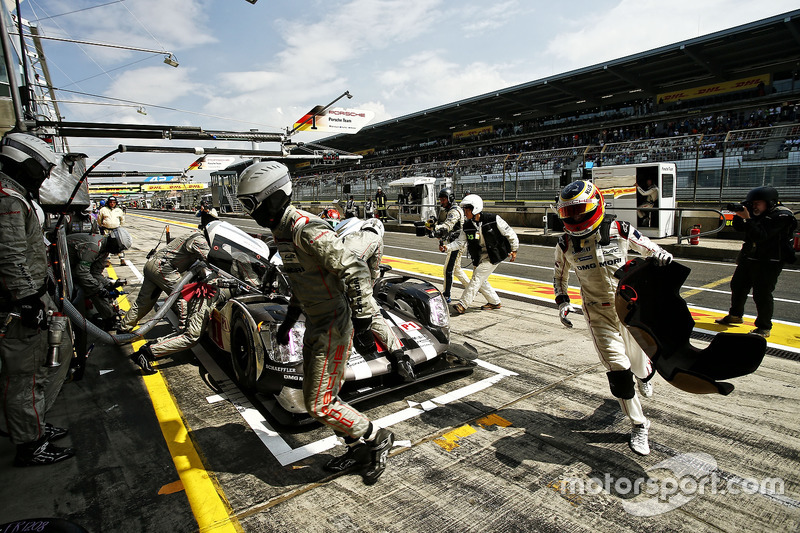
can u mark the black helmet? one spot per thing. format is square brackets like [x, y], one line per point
[448, 193]
[768, 194]
[111, 199]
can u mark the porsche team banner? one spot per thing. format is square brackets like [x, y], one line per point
[335, 120]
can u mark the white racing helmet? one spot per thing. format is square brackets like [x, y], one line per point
[265, 191]
[474, 201]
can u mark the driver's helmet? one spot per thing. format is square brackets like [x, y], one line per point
[581, 208]
[265, 191]
[332, 216]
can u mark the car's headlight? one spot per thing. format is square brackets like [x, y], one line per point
[292, 353]
[439, 314]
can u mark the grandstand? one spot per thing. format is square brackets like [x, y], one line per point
[723, 107]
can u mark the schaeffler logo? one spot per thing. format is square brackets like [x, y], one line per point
[673, 482]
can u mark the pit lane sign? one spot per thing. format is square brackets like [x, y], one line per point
[174, 187]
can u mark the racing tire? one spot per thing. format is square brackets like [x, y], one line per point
[243, 353]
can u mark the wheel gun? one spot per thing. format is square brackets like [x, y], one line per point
[56, 324]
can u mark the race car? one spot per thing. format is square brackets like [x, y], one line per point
[245, 328]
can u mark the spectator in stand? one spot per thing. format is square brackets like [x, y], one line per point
[111, 217]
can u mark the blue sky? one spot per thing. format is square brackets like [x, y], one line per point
[264, 65]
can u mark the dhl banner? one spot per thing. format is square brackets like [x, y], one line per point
[474, 131]
[174, 187]
[716, 88]
[111, 189]
[368, 151]
[336, 119]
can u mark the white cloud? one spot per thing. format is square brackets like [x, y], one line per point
[164, 85]
[635, 26]
[478, 20]
[427, 79]
[152, 24]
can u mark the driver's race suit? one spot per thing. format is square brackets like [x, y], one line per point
[27, 388]
[162, 272]
[595, 264]
[328, 283]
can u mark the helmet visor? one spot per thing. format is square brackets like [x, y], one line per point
[575, 208]
[250, 202]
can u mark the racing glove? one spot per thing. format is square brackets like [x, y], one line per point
[662, 257]
[31, 312]
[363, 339]
[292, 314]
[565, 308]
[110, 293]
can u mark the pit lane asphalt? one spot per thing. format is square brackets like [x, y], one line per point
[497, 450]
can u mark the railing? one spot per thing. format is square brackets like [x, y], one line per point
[710, 167]
[679, 224]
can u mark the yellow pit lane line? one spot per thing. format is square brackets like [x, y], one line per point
[206, 498]
[784, 336]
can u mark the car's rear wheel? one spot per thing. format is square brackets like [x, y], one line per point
[243, 353]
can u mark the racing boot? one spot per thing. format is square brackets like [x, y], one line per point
[639, 442]
[645, 387]
[40, 452]
[53, 432]
[143, 357]
[379, 448]
[403, 365]
[356, 453]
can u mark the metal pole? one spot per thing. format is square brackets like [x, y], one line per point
[13, 85]
[696, 170]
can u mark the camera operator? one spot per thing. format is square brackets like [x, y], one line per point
[447, 229]
[768, 227]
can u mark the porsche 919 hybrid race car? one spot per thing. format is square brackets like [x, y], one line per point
[245, 328]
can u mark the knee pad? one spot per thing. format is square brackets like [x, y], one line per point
[621, 383]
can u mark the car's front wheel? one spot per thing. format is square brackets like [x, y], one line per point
[243, 353]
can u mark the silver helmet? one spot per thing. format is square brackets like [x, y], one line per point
[265, 191]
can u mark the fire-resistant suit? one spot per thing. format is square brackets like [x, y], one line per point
[329, 283]
[595, 260]
[201, 299]
[368, 246]
[162, 272]
[87, 257]
[482, 240]
[29, 388]
[448, 229]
